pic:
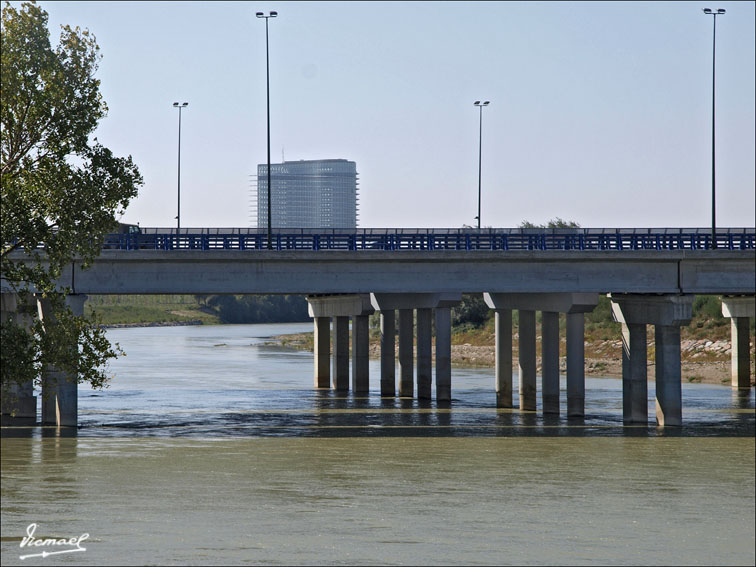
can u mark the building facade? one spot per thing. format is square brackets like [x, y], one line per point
[308, 194]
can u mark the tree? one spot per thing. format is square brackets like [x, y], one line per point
[61, 192]
[553, 223]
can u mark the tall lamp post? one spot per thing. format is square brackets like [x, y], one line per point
[480, 151]
[267, 84]
[178, 211]
[715, 13]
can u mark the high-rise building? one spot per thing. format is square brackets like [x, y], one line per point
[308, 194]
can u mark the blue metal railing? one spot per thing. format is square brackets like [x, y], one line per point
[434, 239]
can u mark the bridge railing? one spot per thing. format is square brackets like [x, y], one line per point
[434, 239]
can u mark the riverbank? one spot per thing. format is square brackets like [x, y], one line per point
[703, 361]
[153, 324]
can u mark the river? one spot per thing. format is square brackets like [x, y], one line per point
[211, 447]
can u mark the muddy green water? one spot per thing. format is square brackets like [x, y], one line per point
[216, 451]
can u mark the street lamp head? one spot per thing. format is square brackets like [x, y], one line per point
[706, 10]
[274, 14]
[720, 10]
[261, 15]
[175, 104]
[270, 15]
[476, 103]
[185, 104]
[486, 103]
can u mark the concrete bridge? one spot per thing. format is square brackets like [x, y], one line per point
[649, 284]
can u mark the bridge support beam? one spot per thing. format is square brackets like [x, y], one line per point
[503, 323]
[341, 308]
[19, 404]
[406, 354]
[576, 364]
[668, 313]
[388, 353]
[341, 353]
[527, 362]
[322, 348]
[60, 391]
[360, 354]
[739, 310]
[424, 349]
[550, 361]
[575, 305]
[634, 378]
[443, 354]
[668, 375]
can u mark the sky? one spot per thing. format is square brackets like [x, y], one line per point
[600, 112]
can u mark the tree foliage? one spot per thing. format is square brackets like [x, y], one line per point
[472, 311]
[259, 308]
[61, 191]
[556, 222]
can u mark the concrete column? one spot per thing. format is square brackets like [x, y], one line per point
[388, 358]
[424, 348]
[19, 404]
[550, 361]
[668, 375]
[406, 356]
[739, 310]
[443, 354]
[527, 360]
[575, 364]
[740, 355]
[60, 395]
[634, 379]
[341, 354]
[360, 354]
[503, 323]
[322, 348]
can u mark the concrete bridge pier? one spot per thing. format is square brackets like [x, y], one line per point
[443, 345]
[527, 360]
[424, 349]
[322, 351]
[60, 391]
[668, 313]
[739, 310]
[341, 353]
[503, 329]
[360, 354]
[406, 353]
[341, 308]
[634, 378]
[576, 363]
[575, 305]
[423, 305]
[388, 356]
[550, 361]
[19, 404]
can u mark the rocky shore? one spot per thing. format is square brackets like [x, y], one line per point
[703, 361]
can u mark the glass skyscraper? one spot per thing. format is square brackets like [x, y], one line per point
[308, 194]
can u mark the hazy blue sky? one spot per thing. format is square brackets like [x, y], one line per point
[600, 112]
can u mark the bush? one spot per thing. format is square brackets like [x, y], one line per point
[260, 308]
[472, 312]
